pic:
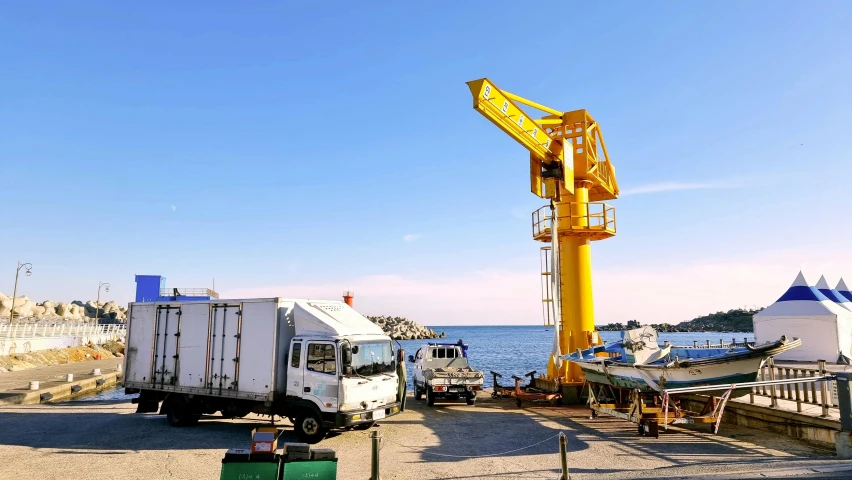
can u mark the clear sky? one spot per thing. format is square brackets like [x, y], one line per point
[296, 150]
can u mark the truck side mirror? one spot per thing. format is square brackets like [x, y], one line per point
[411, 358]
[346, 354]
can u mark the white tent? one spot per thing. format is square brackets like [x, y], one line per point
[824, 326]
[832, 294]
[843, 289]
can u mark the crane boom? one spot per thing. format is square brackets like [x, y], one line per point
[548, 169]
[499, 107]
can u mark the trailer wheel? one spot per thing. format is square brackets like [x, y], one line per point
[430, 397]
[178, 413]
[309, 427]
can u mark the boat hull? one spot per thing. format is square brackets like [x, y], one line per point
[654, 378]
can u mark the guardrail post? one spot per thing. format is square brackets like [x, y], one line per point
[374, 466]
[773, 399]
[798, 397]
[843, 438]
[823, 389]
[563, 454]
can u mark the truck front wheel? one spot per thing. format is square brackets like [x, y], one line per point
[178, 412]
[418, 392]
[430, 397]
[308, 426]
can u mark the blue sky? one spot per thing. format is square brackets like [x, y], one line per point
[297, 150]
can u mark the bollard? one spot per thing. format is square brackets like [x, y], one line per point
[374, 466]
[34, 385]
[118, 368]
[563, 453]
[69, 377]
[96, 371]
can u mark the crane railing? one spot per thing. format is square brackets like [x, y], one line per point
[593, 219]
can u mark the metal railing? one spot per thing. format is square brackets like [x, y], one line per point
[721, 344]
[801, 389]
[582, 218]
[189, 292]
[43, 330]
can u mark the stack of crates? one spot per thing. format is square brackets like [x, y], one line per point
[299, 461]
[264, 461]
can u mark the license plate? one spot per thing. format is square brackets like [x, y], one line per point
[456, 389]
[378, 414]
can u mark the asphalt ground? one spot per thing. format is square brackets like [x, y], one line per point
[494, 439]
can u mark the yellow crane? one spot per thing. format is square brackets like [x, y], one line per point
[568, 165]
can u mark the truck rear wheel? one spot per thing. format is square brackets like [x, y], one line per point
[471, 399]
[430, 397]
[178, 412]
[309, 427]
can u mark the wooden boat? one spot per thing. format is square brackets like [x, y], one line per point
[638, 362]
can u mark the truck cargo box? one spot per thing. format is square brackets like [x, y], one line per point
[217, 347]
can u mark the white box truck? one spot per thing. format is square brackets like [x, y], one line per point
[319, 363]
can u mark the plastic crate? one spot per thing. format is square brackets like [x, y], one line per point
[309, 469]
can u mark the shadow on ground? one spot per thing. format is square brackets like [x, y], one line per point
[65, 426]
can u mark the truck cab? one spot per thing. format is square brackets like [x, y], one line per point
[350, 381]
[442, 372]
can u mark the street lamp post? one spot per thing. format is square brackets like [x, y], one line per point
[98, 301]
[29, 267]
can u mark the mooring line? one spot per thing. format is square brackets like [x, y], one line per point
[470, 456]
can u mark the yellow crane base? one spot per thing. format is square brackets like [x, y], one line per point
[571, 391]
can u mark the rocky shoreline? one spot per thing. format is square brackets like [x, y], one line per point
[400, 328]
[24, 308]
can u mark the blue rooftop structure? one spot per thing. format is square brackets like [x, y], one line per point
[152, 288]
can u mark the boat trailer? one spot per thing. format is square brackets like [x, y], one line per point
[651, 410]
[524, 393]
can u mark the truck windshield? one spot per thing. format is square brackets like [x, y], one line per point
[373, 358]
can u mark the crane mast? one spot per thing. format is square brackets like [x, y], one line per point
[569, 165]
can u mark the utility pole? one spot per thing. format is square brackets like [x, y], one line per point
[29, 267]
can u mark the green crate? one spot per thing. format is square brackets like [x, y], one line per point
[310, 470]
[249, 471]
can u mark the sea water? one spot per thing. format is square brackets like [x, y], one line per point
[507, 350]
[518, 350]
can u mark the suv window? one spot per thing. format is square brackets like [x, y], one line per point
[297, 355]
[444, 353]
[321, 358]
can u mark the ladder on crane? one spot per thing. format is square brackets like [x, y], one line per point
[547, 286]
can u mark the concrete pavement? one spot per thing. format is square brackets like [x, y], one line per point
[107, 440]
[14, 385]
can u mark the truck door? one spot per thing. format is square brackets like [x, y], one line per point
[224, 348]
[166, 335]
[320, 383]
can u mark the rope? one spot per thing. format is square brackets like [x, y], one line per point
[472, 456]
